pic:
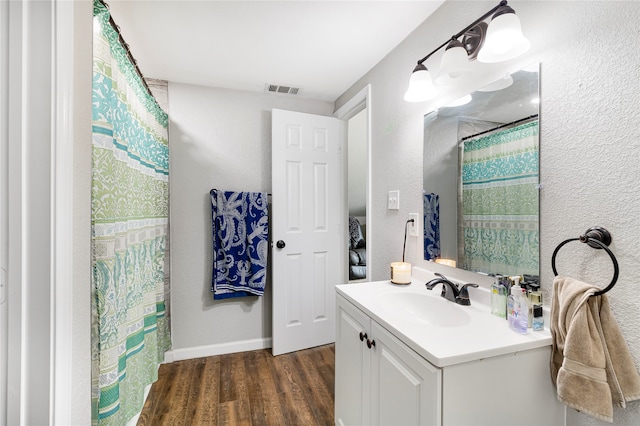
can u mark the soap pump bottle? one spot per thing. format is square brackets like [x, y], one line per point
[518, 310]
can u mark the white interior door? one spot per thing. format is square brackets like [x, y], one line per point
[307, 229]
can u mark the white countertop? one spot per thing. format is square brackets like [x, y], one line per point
[445, 333]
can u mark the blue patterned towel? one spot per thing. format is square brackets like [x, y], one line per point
[240, 243]
[431, 226]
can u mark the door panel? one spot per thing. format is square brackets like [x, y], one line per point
[306, 176]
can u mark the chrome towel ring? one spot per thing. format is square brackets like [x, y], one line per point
[598, 238]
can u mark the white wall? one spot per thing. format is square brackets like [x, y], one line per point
[219, 139]
[589, 136]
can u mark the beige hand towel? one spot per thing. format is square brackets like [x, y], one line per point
[591, 365]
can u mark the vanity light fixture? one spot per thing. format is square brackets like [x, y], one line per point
[454, 65]
[504, 38]
[421, 86]
[498, 41]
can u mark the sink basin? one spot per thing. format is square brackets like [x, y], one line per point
[434, 311]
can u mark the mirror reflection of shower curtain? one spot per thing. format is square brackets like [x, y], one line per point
[499, 186]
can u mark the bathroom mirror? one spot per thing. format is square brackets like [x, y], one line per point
[480, 179]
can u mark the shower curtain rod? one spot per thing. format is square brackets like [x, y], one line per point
[500, 127]
[126, 48]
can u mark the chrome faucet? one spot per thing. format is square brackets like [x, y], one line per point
[450, 290]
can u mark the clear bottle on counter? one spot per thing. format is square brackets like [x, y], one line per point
[498, 299]
[535, 298]
[538, 318]
[518, 310]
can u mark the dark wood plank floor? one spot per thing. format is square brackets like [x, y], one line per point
[249, 388]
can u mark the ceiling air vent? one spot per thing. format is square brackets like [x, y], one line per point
[276, 88]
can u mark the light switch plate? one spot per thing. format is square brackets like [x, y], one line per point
[393, 200]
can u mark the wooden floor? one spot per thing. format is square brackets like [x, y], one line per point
[249, 388]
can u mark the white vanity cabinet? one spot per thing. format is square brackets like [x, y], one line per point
[393, 383]
[379, 380]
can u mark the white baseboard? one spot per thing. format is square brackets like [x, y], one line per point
[216, 349]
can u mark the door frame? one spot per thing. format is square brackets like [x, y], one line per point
[54, 383]
[354, 105]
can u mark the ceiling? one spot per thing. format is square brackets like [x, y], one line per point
[321, 47]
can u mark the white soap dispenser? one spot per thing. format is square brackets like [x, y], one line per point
[517, 310]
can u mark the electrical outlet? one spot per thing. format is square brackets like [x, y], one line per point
[413, 226]
[393, 200]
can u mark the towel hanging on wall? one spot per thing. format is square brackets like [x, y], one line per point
[240, 229]
[591, 364]
[431, 207]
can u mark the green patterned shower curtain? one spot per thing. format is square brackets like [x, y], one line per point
[500, 202]
[130, 192]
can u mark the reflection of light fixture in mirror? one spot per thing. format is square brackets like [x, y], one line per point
[421, 86]
[448, 262]
[454, 65]
[499, 41]
[504, 39]
[460, 101]
[499, 84]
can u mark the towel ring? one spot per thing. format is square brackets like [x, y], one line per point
[598, 238]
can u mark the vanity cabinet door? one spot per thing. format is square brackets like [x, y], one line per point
[405, 388]
[352, 380]
[379, 380]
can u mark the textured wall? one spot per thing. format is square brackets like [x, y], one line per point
[589, 135]
[219, 139]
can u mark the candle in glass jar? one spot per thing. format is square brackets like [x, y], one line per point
[400, 272]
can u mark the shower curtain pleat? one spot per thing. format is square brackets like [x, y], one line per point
[130, 192]
[500, 202]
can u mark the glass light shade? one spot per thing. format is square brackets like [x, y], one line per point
[454, 65]
[421, 86]
[460, 101]
[504, 39]
[500, 84]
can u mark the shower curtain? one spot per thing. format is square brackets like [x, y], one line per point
[500, 202]
[130, 188]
